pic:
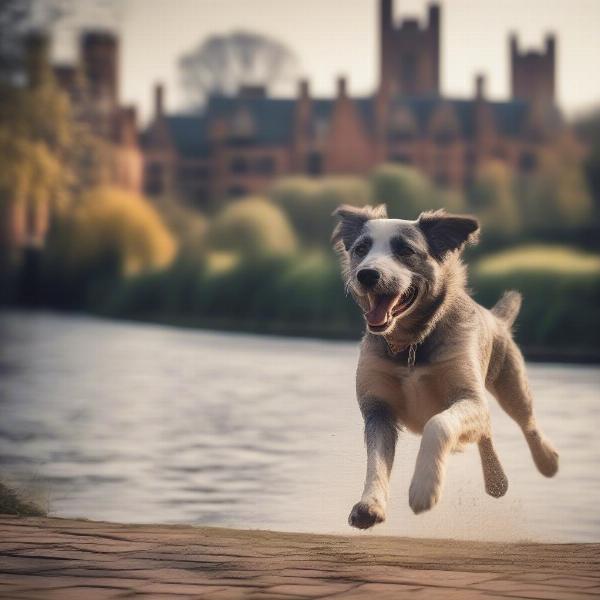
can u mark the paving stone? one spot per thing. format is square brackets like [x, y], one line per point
[67, 559]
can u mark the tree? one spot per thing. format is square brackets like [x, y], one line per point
[223, 63]
[17, 17]
[556, 196]
[110, 224]
[492, 198]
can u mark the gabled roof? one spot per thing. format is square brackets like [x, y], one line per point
[189, 134]
[508, 116]
[273, 118]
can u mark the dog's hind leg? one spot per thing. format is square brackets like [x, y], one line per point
[381, 433]
[496, 482]
[511, 389]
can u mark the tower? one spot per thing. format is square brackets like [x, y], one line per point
[532, 73]
[37, 58]
[99, 57]
[409, 52]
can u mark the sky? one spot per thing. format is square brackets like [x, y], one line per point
[335, 37]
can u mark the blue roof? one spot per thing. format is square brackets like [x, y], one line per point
[189, 134]
[273, 118]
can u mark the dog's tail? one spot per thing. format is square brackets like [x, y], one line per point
[507, 308]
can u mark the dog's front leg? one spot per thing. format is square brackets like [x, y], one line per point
[466, 420]
[381, 433]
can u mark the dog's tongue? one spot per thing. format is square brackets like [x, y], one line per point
[379, 307]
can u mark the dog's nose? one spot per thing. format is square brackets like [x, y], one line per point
[368, 277]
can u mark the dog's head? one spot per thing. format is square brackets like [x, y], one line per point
[393, 266]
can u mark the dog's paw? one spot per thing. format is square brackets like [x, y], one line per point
[424, 493]
[544, 454]
[496, 484]
[366, 514]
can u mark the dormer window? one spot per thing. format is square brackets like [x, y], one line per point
[444, 138]
[444, 125]
[403, 127]
[242, 126]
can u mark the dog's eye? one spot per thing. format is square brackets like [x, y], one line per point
[400, 248]
[361, 250]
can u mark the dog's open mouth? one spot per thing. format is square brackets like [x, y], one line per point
[383, 308]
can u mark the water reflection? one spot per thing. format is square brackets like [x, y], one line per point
[143, 423]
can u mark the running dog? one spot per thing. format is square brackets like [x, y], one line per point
[429, 354]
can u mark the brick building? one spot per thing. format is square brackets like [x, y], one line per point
[92, 85]
[237, 145]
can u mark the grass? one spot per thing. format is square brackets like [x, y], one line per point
[540, 258]
[11, 503]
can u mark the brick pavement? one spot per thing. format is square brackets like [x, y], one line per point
[43, 558]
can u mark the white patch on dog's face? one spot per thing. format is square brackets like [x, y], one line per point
[382, 277]
[394, 275]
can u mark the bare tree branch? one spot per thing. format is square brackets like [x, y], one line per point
[223, 63]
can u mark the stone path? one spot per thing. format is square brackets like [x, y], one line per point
[43, 558]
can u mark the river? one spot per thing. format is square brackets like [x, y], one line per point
[144, 423]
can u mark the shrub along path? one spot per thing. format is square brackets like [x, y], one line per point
[43, 558]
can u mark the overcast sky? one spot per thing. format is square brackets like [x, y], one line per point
[332, 37]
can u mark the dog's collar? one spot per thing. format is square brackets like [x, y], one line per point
[396, 349]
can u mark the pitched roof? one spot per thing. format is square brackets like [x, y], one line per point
[508, 115]
[189, 134]
[272, 118]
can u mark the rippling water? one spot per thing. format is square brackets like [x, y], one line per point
[142, 423]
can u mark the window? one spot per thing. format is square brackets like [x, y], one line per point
[314, 164]
[402, 136]
[154, 179]
[235, 191]
[409, 74]
[239, 165]
[402, 158]
[442, 178]
[527, 161]
[471, 158]
[444, 138]
[265, 165]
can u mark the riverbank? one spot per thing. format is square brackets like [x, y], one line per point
[60, 558]
[307, 331]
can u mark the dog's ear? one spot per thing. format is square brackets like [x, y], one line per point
[446, 233]
[351, 220]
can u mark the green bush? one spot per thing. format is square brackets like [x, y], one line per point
[404, 190]
[253, 227]
[561, 296]
[554, 260]
[492, 199]
[308, 203]
[560, 314]
[109, 234]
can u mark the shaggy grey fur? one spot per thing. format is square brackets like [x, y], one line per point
[408, 278]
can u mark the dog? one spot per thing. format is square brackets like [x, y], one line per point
[429, 354]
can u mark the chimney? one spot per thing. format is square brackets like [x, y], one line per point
[304, 89]
[252, 92]
[100, 58]
[37, 58]
[386, 15]
[342, 90]
[159, 96]
[433, 16]
[514, 44]
[480, 86]
[550, 44]
[433, 26]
